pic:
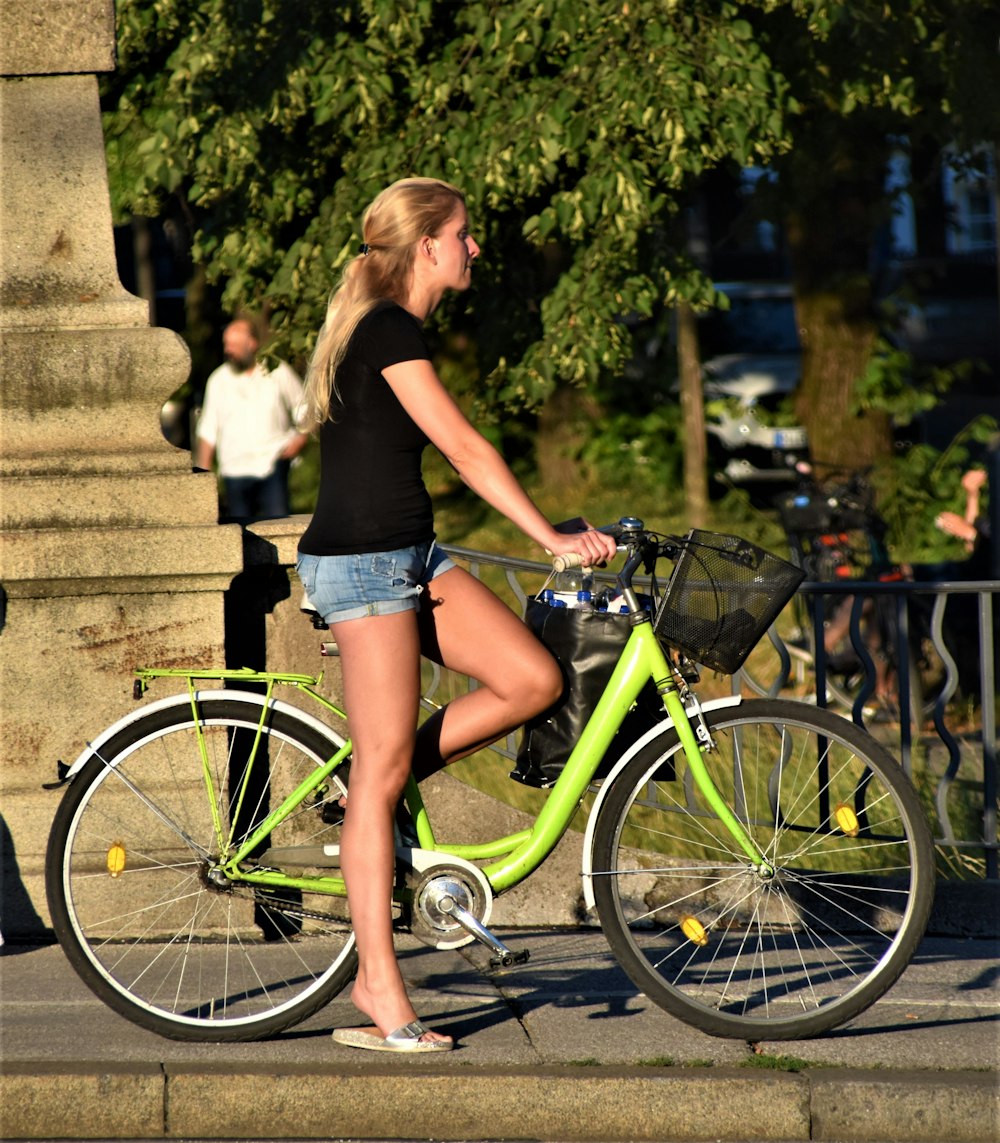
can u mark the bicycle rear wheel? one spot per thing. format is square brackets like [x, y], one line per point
[145, 918]
[752, 954]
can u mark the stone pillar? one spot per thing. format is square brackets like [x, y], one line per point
[110, 556]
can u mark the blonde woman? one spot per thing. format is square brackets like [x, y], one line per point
[369, 563]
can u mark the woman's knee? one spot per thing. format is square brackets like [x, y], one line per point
[543, 685]
[381, 782]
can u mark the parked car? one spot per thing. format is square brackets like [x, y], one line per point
[751, 364]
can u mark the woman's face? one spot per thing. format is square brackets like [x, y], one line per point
[456, 249]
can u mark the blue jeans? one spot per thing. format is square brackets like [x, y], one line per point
[251, 498]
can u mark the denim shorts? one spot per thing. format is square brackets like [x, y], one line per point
[370, 583]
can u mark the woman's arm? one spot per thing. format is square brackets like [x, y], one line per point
[481, 467]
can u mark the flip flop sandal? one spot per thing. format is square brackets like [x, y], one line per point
[405, 1039]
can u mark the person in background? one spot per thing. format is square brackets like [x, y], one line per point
[972, 526]
[249, 426]
[961, 616]
[369, 563]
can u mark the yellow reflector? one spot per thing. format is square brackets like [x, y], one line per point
[694, 930]
[847, 819]
[116, 859]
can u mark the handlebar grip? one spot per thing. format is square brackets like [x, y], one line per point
[569, 560]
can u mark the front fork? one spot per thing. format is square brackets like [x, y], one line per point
[696, 739]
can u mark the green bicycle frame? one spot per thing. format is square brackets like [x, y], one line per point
[642, 659]
[518, 855]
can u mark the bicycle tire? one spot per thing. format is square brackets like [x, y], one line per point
[727, 949]
[158, 941]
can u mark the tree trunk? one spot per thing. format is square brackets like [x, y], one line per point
[836, 349]
[692, 418]
[564, 423]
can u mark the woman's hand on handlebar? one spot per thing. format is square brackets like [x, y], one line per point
[578, 537]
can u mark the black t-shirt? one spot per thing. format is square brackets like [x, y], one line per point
[371, 494]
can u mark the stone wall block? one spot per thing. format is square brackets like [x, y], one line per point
[80, 500]
[65, 674]
[58, 264]
[57, 37]
[84, 401]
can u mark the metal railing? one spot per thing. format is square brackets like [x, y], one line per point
[943, 728]
[944, 733]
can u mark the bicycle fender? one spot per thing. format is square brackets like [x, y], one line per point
[184, 699]
[587, 871]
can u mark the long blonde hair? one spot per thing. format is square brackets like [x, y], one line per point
[391, 227]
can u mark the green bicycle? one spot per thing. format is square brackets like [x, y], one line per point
[762, 869]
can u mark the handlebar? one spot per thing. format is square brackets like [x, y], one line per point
[641, 548]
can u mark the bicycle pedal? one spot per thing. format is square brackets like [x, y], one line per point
[510, 958]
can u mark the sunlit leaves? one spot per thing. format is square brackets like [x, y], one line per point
[575, 128]
[572, 127]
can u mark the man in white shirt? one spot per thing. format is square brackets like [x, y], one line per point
[248, 425]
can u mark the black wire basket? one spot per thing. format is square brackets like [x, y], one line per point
[723, 595]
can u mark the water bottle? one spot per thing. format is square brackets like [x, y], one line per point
[549, 597]
[573, 588]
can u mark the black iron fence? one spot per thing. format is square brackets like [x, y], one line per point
[932, 649]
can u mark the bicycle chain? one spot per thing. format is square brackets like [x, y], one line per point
[285, 908]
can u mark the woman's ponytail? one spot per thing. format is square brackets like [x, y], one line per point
[391, 227]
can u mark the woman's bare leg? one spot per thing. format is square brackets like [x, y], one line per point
[381, 672]
[464, 626]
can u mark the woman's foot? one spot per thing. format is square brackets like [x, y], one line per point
[412, 1037]
[391, 1018]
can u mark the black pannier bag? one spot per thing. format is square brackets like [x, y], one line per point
[587, 644]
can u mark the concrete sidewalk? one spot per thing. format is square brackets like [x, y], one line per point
[562, 1048]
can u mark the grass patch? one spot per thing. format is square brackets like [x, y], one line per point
[776, 1063]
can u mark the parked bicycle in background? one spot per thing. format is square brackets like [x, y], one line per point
[871, 644]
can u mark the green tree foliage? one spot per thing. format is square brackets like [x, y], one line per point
[577, 130]
[573, 128]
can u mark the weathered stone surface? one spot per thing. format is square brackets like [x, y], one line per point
[65, 674]
[609, 1105]
[110, 556]
[53, 37]
[907, 1107]
[57, 268]
[118, 1103]
[84, 501]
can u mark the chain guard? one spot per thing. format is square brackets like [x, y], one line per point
[431, 877]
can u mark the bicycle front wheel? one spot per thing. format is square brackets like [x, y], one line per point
[137, 900]
[783, 950]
